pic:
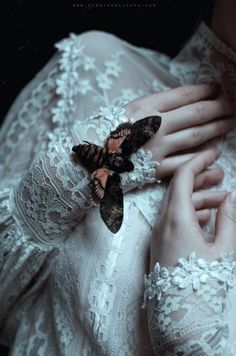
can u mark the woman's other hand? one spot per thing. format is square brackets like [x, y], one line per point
[191, 116]
[178, 232]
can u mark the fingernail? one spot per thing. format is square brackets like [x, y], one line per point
[232, 197]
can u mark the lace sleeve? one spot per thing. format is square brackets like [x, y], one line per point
[53, 195]
[186, 306]
[24, 265]
[38, 211]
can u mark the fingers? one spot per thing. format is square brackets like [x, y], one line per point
[203, 216]
[206, 199]
[199, 113]
[196, 136]
[203, 201]
[183, 181]
[170, 164]
[178, 232]
[185, 95]
[225, 228]
[208, 177]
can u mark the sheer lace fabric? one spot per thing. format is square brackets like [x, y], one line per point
[187, 306]
[65, 279]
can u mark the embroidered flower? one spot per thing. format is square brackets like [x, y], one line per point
[160, 318]
[103, 81]
[84, 86]
[106, 112]
[195, 272]
[172, 305]
[115, 114]
[112, 68]
[71, 54]
[88, 63]
[144, 170]
[127, 95]
[156, 283]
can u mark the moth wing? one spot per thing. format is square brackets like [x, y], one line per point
[141, 131]
[111, 206]
[116, 137]
[98, 184]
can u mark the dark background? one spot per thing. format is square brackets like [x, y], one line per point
[29, 29]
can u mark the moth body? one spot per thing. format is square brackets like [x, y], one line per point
[98, 157]
[91, 154]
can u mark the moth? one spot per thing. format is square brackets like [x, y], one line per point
[107, 163]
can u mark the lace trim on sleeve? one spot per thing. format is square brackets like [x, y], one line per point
[186, 303]
[68, 81]
[144, 171]
[194, 272]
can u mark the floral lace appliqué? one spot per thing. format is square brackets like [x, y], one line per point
[192, 271]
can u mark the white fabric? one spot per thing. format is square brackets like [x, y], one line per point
[188, 307]
[68, 286]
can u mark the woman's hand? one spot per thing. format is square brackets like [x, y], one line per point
[190, 117]
[178, 232]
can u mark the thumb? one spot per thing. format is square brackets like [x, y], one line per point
[226, 220]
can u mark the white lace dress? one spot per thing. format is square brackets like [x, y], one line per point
[68, 286]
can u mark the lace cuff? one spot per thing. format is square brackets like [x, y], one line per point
[186, 304]
[144, 171]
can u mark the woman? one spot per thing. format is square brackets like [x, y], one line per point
[68, 285]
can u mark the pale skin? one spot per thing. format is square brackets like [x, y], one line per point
[178, 232]
[191, 115]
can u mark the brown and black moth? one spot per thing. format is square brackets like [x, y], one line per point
[108, 162]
